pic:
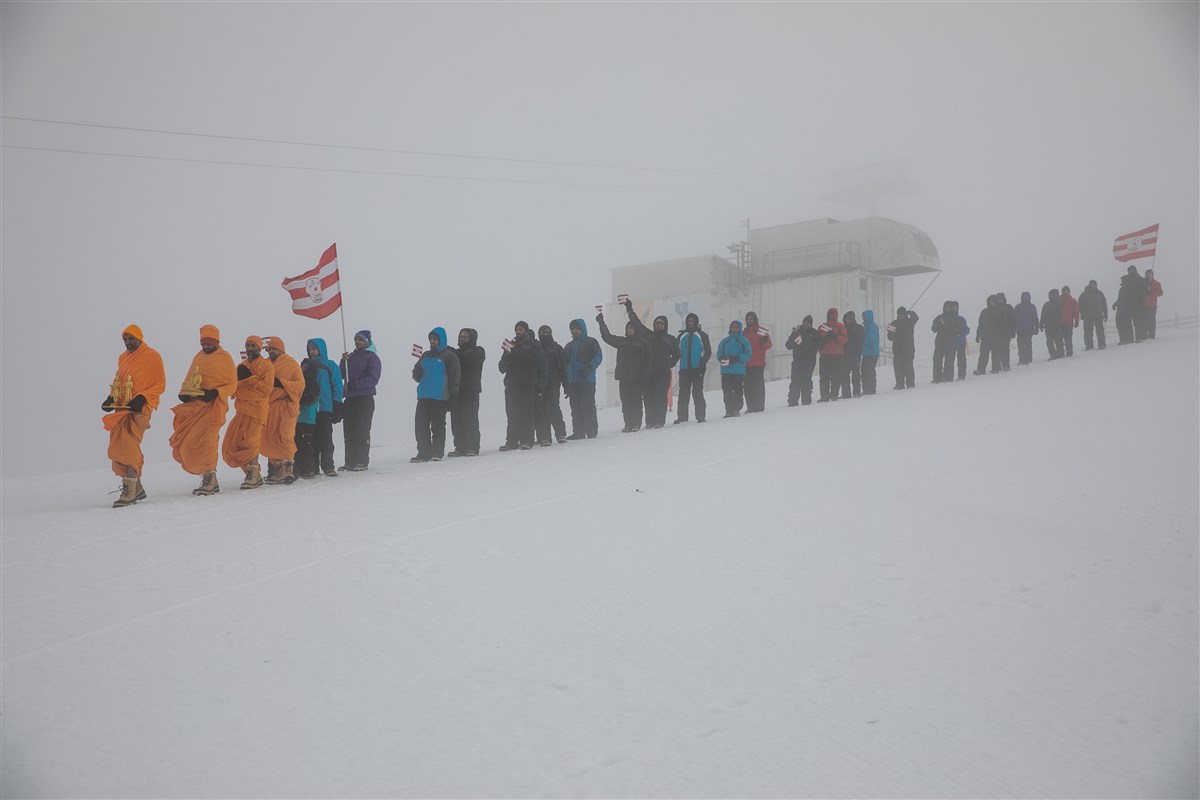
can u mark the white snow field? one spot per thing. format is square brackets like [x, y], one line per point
[985, 589]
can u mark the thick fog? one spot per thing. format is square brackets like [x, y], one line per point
[487, 163]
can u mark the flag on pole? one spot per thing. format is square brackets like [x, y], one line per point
[1138, 244]
[317, 293]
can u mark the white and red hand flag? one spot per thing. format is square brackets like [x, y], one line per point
[317, 293]
[763, 332]
[891, 328]
[417, 351]
[506, 346]
[622, 297]
[1138, 244]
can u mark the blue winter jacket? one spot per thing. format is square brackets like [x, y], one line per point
[737, 349]
[582, 356]
[329, 378]
[870, 334]
[437, 373]
[962, 338]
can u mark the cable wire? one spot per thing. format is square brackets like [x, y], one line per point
[396, 174]
[436, 154]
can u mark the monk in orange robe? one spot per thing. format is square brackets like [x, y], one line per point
[243, 437]
[140, 371]
[279, 439]
[198, 419]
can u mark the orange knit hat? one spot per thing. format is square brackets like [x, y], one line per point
[134, 330]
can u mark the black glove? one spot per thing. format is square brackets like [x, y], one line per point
[278, 385]
[137, 403]
[600, 317]
[243, 372]
[107, 402]
[210, 395]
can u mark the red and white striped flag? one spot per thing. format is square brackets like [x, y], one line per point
[417, 351]
[317, 293]
[1138, 244]
[764, 332]
[506, 346]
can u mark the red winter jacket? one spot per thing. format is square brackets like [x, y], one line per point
[759, 345]
[1153, 292]
[1070, 310]
[833, 343]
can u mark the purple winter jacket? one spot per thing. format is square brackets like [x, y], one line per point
[1027, 315]
[361, 370]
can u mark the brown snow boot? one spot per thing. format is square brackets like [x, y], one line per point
[141, 492]
[289, 471]
[128, 496]
[208, 485]
[254, 477]
[275, 473]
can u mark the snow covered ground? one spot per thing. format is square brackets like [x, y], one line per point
[981, 589]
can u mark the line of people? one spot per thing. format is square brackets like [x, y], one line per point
[286, 410]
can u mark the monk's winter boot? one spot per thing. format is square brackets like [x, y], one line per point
[289, 472]
[128, 496]
[275, 473]
[254, 477]
[208, 485]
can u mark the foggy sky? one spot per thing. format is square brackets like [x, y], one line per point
[1034, 133]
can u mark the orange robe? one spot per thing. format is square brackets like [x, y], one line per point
[243, 437]
[125, 428]
[198, 423]
[279, 439]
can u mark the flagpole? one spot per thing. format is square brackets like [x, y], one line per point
[342, 311]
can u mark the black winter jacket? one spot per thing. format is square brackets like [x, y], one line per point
[805, 350]
[664, 349]
[634, 359]
[470, 362]
[523, 365]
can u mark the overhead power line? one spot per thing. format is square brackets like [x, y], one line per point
[542, 162]
[397, 174]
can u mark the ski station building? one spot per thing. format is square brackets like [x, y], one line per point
[782, 272]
